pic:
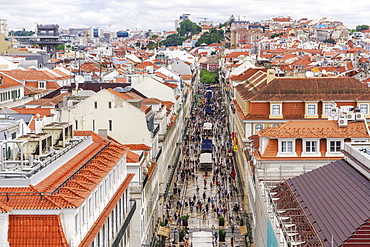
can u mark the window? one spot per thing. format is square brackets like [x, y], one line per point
[110, 125]
[101, 192]
[1, 80]
[258, 127]
[89, 205]
[327, 108]
[83, 214]
[93, 125]
[109, 105]
[311, 109]
[364, 108]
[76, 124]
[76, 222]
[335, 146]
[311, 146]
[96, 198]
[42, 84]
[286, 146]
[276, 110]
[95, 105]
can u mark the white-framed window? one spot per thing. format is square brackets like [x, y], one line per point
[258, 127]
[287, 146]
[276, 110]
[96, 198]
[364, 108]
[42, 84]
[327, 108]
[335, 146]
[76, 223]
[311, 147]
[83, 212]
[311, 109]
[89, 205]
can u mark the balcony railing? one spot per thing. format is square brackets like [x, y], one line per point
[125, 225]
[158, 155]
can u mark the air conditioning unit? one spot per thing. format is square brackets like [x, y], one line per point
[351, 116]
[342, 122]
[360, 116]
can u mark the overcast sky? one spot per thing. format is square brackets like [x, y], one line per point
[160, 15]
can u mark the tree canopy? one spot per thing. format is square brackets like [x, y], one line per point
[332, 41]
[172, 40]
[188, 28]
[213, 36]
[21, 33]
[208, 77]
[360, 28]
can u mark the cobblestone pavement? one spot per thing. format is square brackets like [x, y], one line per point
[205, 195]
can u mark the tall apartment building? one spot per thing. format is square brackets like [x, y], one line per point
[64, 188]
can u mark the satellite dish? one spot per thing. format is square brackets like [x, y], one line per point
[323, 72]
[79, 79]
[309, 74]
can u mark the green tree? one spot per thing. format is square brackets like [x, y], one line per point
[213, 36]
[21, 33]
[208, 77]
[188, 28]
[154, 36]
[332, 41]
[360, 28]
[151, 45]
[172, 40]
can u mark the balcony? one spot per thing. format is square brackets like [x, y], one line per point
[121, 232]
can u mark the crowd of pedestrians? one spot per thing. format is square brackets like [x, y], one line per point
[215, 194]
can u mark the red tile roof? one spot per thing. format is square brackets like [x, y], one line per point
[137, 146]
[36, 230]
[316, 129]
[8, 81]
[305, 89]
[61, 189]
[42, 111]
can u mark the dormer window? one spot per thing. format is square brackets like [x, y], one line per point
[276, 110]
[286, 148]
[42, 84]
[311, 110]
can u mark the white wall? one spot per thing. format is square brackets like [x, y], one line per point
[129, 122]
[152, 88]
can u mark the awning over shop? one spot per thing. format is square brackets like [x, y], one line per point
[163, 231]
[243, 230]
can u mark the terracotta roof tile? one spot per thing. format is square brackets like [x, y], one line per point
[137, 146]
[63, 190]
[8, 81]
[36, 230]
[316, 129]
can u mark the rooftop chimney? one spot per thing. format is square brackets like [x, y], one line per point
[270, 75]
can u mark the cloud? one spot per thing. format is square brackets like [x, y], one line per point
[161, 15]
